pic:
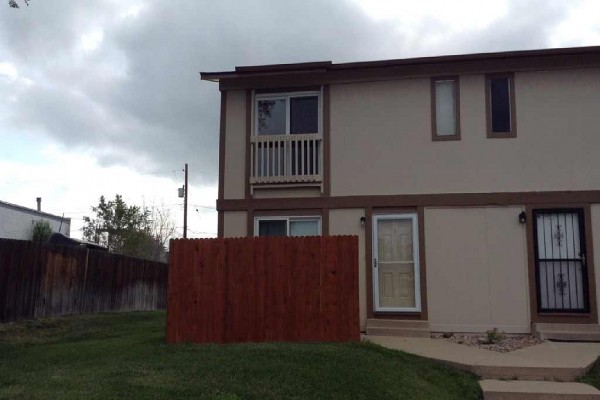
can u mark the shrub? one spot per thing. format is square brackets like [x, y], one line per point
[495, 336]
[41, 231]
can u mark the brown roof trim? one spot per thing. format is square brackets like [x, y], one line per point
[470, 57]
[414, 200]
[284, 67]
[267, 72]
[328, 66]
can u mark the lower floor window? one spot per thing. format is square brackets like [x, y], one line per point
[287, 226]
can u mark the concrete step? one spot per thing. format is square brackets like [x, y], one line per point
[526, 373]
[398, 323]
[403, 332]
[398, 327]
[567, 327]
[537, 390]
[568, 332]
[569, 336]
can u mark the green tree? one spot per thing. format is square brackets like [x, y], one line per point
[163, 228]
[124, 229]
[41, 231]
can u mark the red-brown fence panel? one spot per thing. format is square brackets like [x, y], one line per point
[39, 281]
[263, 289]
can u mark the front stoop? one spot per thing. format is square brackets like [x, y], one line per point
[548, 361]
[527, 373]
[398, 327]
[537, 390]
[568, 332]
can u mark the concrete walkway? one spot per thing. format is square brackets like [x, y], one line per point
[535, 390]
[546, 361]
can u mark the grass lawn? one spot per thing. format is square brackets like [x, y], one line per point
[593, 376]
[124, 356]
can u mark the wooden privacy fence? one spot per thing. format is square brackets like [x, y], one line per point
[48, 280]
[263, 289]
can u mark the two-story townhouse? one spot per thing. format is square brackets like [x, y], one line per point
[472, 181]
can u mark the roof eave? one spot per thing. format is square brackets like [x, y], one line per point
[216, 76]
[327, 66]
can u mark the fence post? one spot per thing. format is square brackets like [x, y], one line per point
[82, 295]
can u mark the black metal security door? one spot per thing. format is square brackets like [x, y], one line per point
[560, 259]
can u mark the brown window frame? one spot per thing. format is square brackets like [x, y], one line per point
[488, 106]
[434, 135]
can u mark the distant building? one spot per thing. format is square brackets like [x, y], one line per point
[16, 222]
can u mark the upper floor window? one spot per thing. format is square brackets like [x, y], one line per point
[287, 113]
[445, 108]
[500, 106]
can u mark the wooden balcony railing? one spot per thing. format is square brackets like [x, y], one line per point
[286, 158]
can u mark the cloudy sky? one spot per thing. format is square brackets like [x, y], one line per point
[99, 97]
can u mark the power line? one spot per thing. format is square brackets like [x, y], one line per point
[79, 214]
[158, 172]
[202, 233]
[67, 212]
[173, 171]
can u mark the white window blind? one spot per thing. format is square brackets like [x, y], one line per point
[445, 108]
[304, 228]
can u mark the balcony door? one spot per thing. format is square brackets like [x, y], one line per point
[396, 263]
[287, 141]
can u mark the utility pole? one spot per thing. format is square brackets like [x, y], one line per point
[185, 202]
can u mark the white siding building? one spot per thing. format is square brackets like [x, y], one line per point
[16, 222]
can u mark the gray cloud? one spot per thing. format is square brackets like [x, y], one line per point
[527, 25]
[137, 99]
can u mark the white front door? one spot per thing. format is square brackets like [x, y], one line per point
[396, 262]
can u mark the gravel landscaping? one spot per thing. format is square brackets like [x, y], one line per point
[509, 343]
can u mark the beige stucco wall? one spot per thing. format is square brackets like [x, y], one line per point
[381, 137]
[381, 144]
[596, 244]
[347, 222]
[476, 270]
[235, 145]
[235, 224]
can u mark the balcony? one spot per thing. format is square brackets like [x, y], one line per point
[286, 159]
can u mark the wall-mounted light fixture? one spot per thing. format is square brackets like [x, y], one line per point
[522, 217]
[362, 221]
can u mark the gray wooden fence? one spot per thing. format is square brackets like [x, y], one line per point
[39, 281]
